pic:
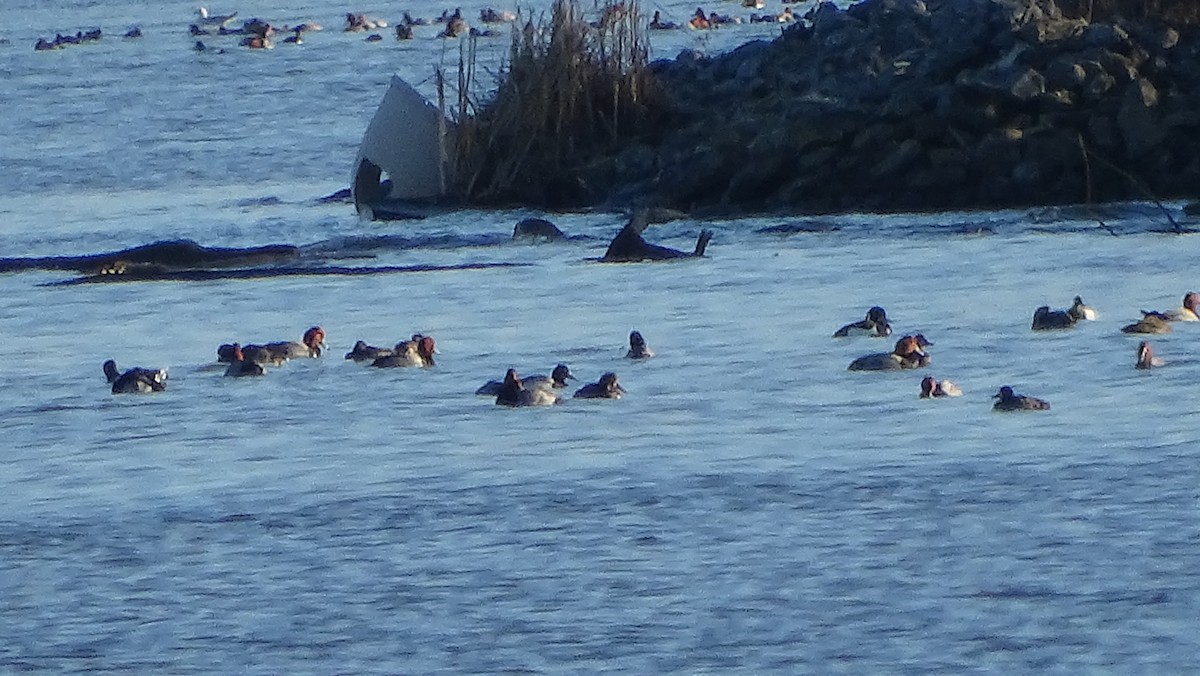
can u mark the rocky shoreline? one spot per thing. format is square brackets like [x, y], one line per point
[892, 105]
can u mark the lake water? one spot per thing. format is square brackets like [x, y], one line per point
[750, 506]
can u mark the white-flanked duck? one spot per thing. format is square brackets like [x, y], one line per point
[932, 388]
[1045, 319]
[240, 367]
[1146, 358]
[875, 325]
[514, 393]
[1082, 312]
[606, 388]
[556, 380]
[637, 347]
[1006, 400]
[136, 380]
[909, 353]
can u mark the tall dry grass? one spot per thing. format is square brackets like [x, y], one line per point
[569, 88]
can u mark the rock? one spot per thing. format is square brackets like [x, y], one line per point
[1137, 119]
[1105, 36]
[1065, 73]
[898, 159]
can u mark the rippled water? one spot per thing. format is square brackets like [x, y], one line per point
[750, 506]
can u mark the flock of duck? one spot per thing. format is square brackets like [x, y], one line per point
[259, 34]
[910, 352]
[252, 360]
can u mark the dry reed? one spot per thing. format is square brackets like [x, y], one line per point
[569, 88]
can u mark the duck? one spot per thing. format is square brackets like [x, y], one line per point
[605, 388]
[1006, 400]
[240, 367]
[1152, 322]
[556, 380]
[403, 355]
[909, 353]
[875, 325]
[404, 31]
[410, 21]
[637, 347]
[489, 15]
[699, 21]
[1145, 357]
[308, 347]
[295, 38]
[455, 25]
[363, 352]
[1187, 313]
[1081, 312]
[514, 393]
[657, 23]
[1045, 319]
[204, 18]
[136, 380]
[933, 389]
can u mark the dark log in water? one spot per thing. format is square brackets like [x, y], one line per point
[152, 273]
[166, 255]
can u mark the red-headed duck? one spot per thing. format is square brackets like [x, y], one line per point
[1146, 358]
[909, 353]
[1082, 312]
[1006, 400]
[637, 347]
[875, 325]
[606, 388]
[932, 388]
[1189, 311]
[135, 380]
[699, 21]
[1045, 319]
[514, 393]
[556, 380]
[308, 347]
[240, 367]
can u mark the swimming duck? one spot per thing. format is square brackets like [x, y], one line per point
[294, 38]
[1045, 319]
[1152, 322]
[1007, 401]
[403, 355]
[455, 25]
[404, 31]
[1187, 313]
[308, 347]
[699, 21]
[1146, 358]
[875, 325]
[363, 352]
[909, 353]
[657, 23]
[556, 380]
[931, 388]
[240, 367]
[136, 380]
[514, 393]
[1080, 311]
[637, 347]
[606, 388]
[213, 20]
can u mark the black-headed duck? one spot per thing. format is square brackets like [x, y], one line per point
[1006, 400]
[637, 347]
[136, 380]
[1045, 319]
[514, 393]
[1082, 312]
[875, 325]
[606, 388]
[556, 380]
[932, 388]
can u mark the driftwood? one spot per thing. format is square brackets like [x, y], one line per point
[166, 255]
[629, 246]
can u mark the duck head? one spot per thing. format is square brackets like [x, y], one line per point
[425, 348]
[636, 342]
[314, 338]
[609, 383]
[560, 375]
[110, 370]
[1145, 356]
[1191, 301]
[1004, 394]
[928, 385]
[906, 346]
